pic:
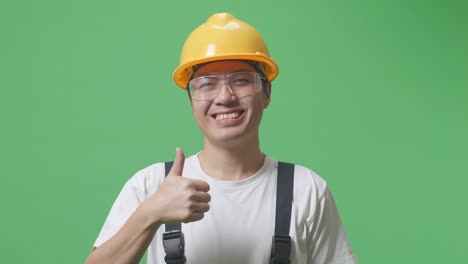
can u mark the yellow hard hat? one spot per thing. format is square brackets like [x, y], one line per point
[223, 37]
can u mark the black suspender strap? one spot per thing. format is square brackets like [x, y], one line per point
[281, 243]
[173, 238]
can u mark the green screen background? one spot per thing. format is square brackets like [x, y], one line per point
[372, 95]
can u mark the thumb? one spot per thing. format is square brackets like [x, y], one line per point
[178, 166]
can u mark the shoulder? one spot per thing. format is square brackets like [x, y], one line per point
[308, 180]
[308, 185]
[146, 181]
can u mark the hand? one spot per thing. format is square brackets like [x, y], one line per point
[179, 199]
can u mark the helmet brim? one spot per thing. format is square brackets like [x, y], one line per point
[183, 73]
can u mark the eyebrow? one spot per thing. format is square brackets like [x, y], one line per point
[214, 73]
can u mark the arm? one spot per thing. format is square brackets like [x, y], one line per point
[130, 243]
[328, 242]
[178, 199]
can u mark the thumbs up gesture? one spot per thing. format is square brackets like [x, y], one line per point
[178, 166]
[179, 199]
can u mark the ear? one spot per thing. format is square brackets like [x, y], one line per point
[267, 91]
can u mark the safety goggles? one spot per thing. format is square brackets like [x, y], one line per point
[241, 84]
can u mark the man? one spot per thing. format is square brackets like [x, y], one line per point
[226, 194]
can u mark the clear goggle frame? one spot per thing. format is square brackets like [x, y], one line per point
[241, 84]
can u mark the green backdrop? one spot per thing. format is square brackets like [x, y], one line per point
[372, 95]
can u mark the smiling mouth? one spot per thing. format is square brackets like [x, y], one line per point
[227, 116]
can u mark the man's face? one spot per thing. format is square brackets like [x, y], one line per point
[228, 119]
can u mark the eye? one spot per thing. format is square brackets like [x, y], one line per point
[206, 83]
[241, 79]
[241, 82]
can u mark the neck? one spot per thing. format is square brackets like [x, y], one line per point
[231, 163]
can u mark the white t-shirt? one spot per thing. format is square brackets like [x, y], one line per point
[239, 226]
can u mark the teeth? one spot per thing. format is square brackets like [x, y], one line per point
[227, 116]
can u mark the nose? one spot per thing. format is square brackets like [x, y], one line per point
[225, 95]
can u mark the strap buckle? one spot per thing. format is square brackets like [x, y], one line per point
[174, 246]
[280, 249]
